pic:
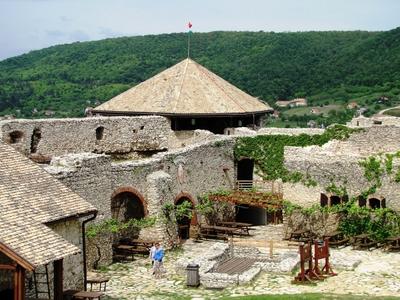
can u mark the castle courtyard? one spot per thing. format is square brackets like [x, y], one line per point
[362, 273]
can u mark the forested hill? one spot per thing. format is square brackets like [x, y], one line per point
[318, 65]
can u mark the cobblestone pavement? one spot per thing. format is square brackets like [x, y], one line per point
[373, 273]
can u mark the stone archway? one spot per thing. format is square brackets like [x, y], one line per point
[185, 222]
[127, 203]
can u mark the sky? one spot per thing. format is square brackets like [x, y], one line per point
[27, 25]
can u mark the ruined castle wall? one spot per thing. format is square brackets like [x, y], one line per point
[195, 170]
[190, 172]
[88, 175]
[52, 137]
[368, 141]
[338, 162]
[179, 139]
[289, 131]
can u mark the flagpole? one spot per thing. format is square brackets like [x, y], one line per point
[189, 44]
[189, 34]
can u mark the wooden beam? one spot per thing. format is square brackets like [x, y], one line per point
[8, 267]
[15, 257]
[19, 283]
[58, 279]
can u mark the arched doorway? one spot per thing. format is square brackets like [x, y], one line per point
[127, 204]
[184, 221]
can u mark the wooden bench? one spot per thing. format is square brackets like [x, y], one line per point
[392, 243]
[336, 239]
[363, 241]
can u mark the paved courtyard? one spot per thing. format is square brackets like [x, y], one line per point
[360, 272]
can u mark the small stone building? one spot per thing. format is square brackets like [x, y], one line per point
[191, 97]
[41, 224]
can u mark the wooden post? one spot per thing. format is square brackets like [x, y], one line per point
[271, 249]
[58, 279]
[19, 283]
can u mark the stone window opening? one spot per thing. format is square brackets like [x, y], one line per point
[99, 133]
[35, 139]
[15, 136]
[141, 127]
[134, 131]
[330, 200]
[376, 122]
[375, 203]
[362, 202]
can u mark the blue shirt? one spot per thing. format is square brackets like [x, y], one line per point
[158, 254]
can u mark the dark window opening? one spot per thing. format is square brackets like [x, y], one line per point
[335, 200]
[15, 136]
[99, 133]
[324, 200]
[141, 127]
[245, 169]
[134, 131]
[35, 139]
[376, 203]
[377, 122]
[362, 201]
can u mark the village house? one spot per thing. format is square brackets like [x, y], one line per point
[292, 103]
[41, 231]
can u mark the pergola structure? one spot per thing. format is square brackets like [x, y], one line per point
[191, 97]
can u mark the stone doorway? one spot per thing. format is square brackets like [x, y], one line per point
[185, 222]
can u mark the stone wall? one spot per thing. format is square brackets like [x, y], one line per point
[71, 231]
[188, 172]
[290, 131]
[338, 162]
[377, 120]
[52, 137]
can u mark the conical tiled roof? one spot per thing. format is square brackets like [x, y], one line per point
[186, 88]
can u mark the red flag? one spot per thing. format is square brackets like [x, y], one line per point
[190, 25]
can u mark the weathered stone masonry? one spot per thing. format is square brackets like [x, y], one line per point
[52, 137]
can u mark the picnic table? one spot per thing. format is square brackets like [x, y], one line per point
[363, 241]
[244, 227]
[393, 243]
[336, 239]
[301, 235]
[214, 231]
[124, 252]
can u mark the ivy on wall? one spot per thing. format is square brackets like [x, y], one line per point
[267, 151]
[114, 226]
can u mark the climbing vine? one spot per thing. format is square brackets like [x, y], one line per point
[114, 226]
[353, 220]
[267, 151]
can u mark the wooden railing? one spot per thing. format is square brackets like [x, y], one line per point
[259, 185]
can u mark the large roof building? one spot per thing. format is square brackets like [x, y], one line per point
[192, 97]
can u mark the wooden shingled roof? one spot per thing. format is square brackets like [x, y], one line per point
[186, 88]
[30, 198]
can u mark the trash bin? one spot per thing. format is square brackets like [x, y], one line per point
[193, 277]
